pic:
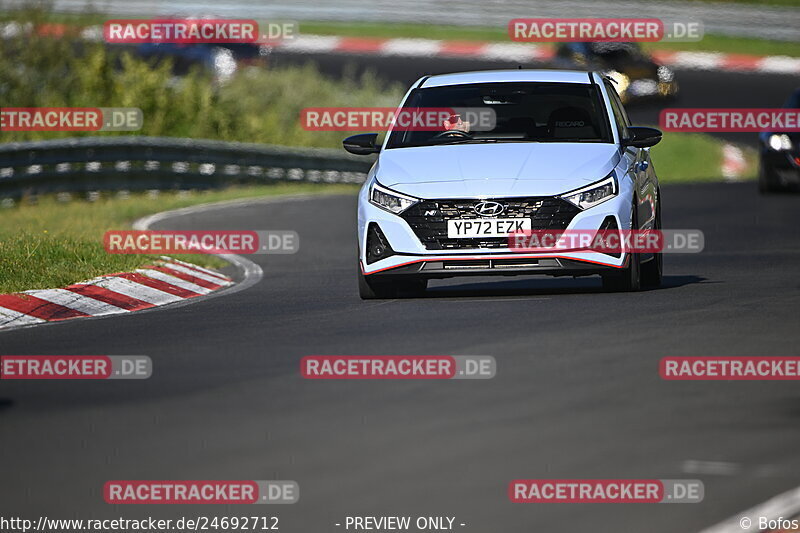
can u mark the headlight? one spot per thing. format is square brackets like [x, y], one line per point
[780, 142]
[620, 80]
[224, 64]
[390, 200]
[594, 194]
[665, 74]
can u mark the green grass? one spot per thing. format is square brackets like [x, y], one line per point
[732, 45]
[693, 157]
[53, 244]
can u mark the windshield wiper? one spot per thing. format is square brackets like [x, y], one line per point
[475, 141]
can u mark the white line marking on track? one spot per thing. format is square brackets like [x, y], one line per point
[780, 65]
[698, 60]
[784, 505]
[509, 51]
[311, 43]
[412, 47]
[713, 468]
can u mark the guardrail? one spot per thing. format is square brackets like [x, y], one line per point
[90, 164]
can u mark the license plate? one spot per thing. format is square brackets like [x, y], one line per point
[485, 227]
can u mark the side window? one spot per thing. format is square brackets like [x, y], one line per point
[619, 112]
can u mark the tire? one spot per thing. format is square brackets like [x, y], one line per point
[369, 289]
[767, 182]
[630, 278]
[653, 270]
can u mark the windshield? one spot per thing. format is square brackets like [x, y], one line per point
[524, 112]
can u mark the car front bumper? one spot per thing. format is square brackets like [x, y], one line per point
[411, 257]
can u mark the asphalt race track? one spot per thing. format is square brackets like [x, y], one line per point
[698, 88]
[577, 392]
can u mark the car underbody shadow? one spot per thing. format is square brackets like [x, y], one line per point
[483, 287]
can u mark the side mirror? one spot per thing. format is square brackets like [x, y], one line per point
[362, 144]
[641, 137]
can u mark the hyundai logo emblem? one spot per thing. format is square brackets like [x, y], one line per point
[489, 209]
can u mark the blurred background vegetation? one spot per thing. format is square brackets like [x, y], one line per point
[256, 105]
[259, 104]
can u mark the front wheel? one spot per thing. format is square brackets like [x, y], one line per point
[653, 270]
[629, 280]
[630, 277]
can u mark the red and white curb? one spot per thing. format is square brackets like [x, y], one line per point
[165, 282]
[314, 44]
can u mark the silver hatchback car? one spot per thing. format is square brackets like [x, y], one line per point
[561, 155]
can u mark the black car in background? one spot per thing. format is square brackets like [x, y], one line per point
[779, 158]
[638, 76]
[222, 60]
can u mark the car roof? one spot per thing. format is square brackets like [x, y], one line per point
[500, 76]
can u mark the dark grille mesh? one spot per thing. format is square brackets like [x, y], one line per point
[429, 219]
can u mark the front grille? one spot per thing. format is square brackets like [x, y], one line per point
[429, 219]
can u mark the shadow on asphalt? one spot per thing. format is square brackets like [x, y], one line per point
[671, 282]
[5, 403]
[543, 287]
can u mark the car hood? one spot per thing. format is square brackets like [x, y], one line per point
[502, 169]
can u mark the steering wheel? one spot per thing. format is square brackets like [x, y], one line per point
[456, 133]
